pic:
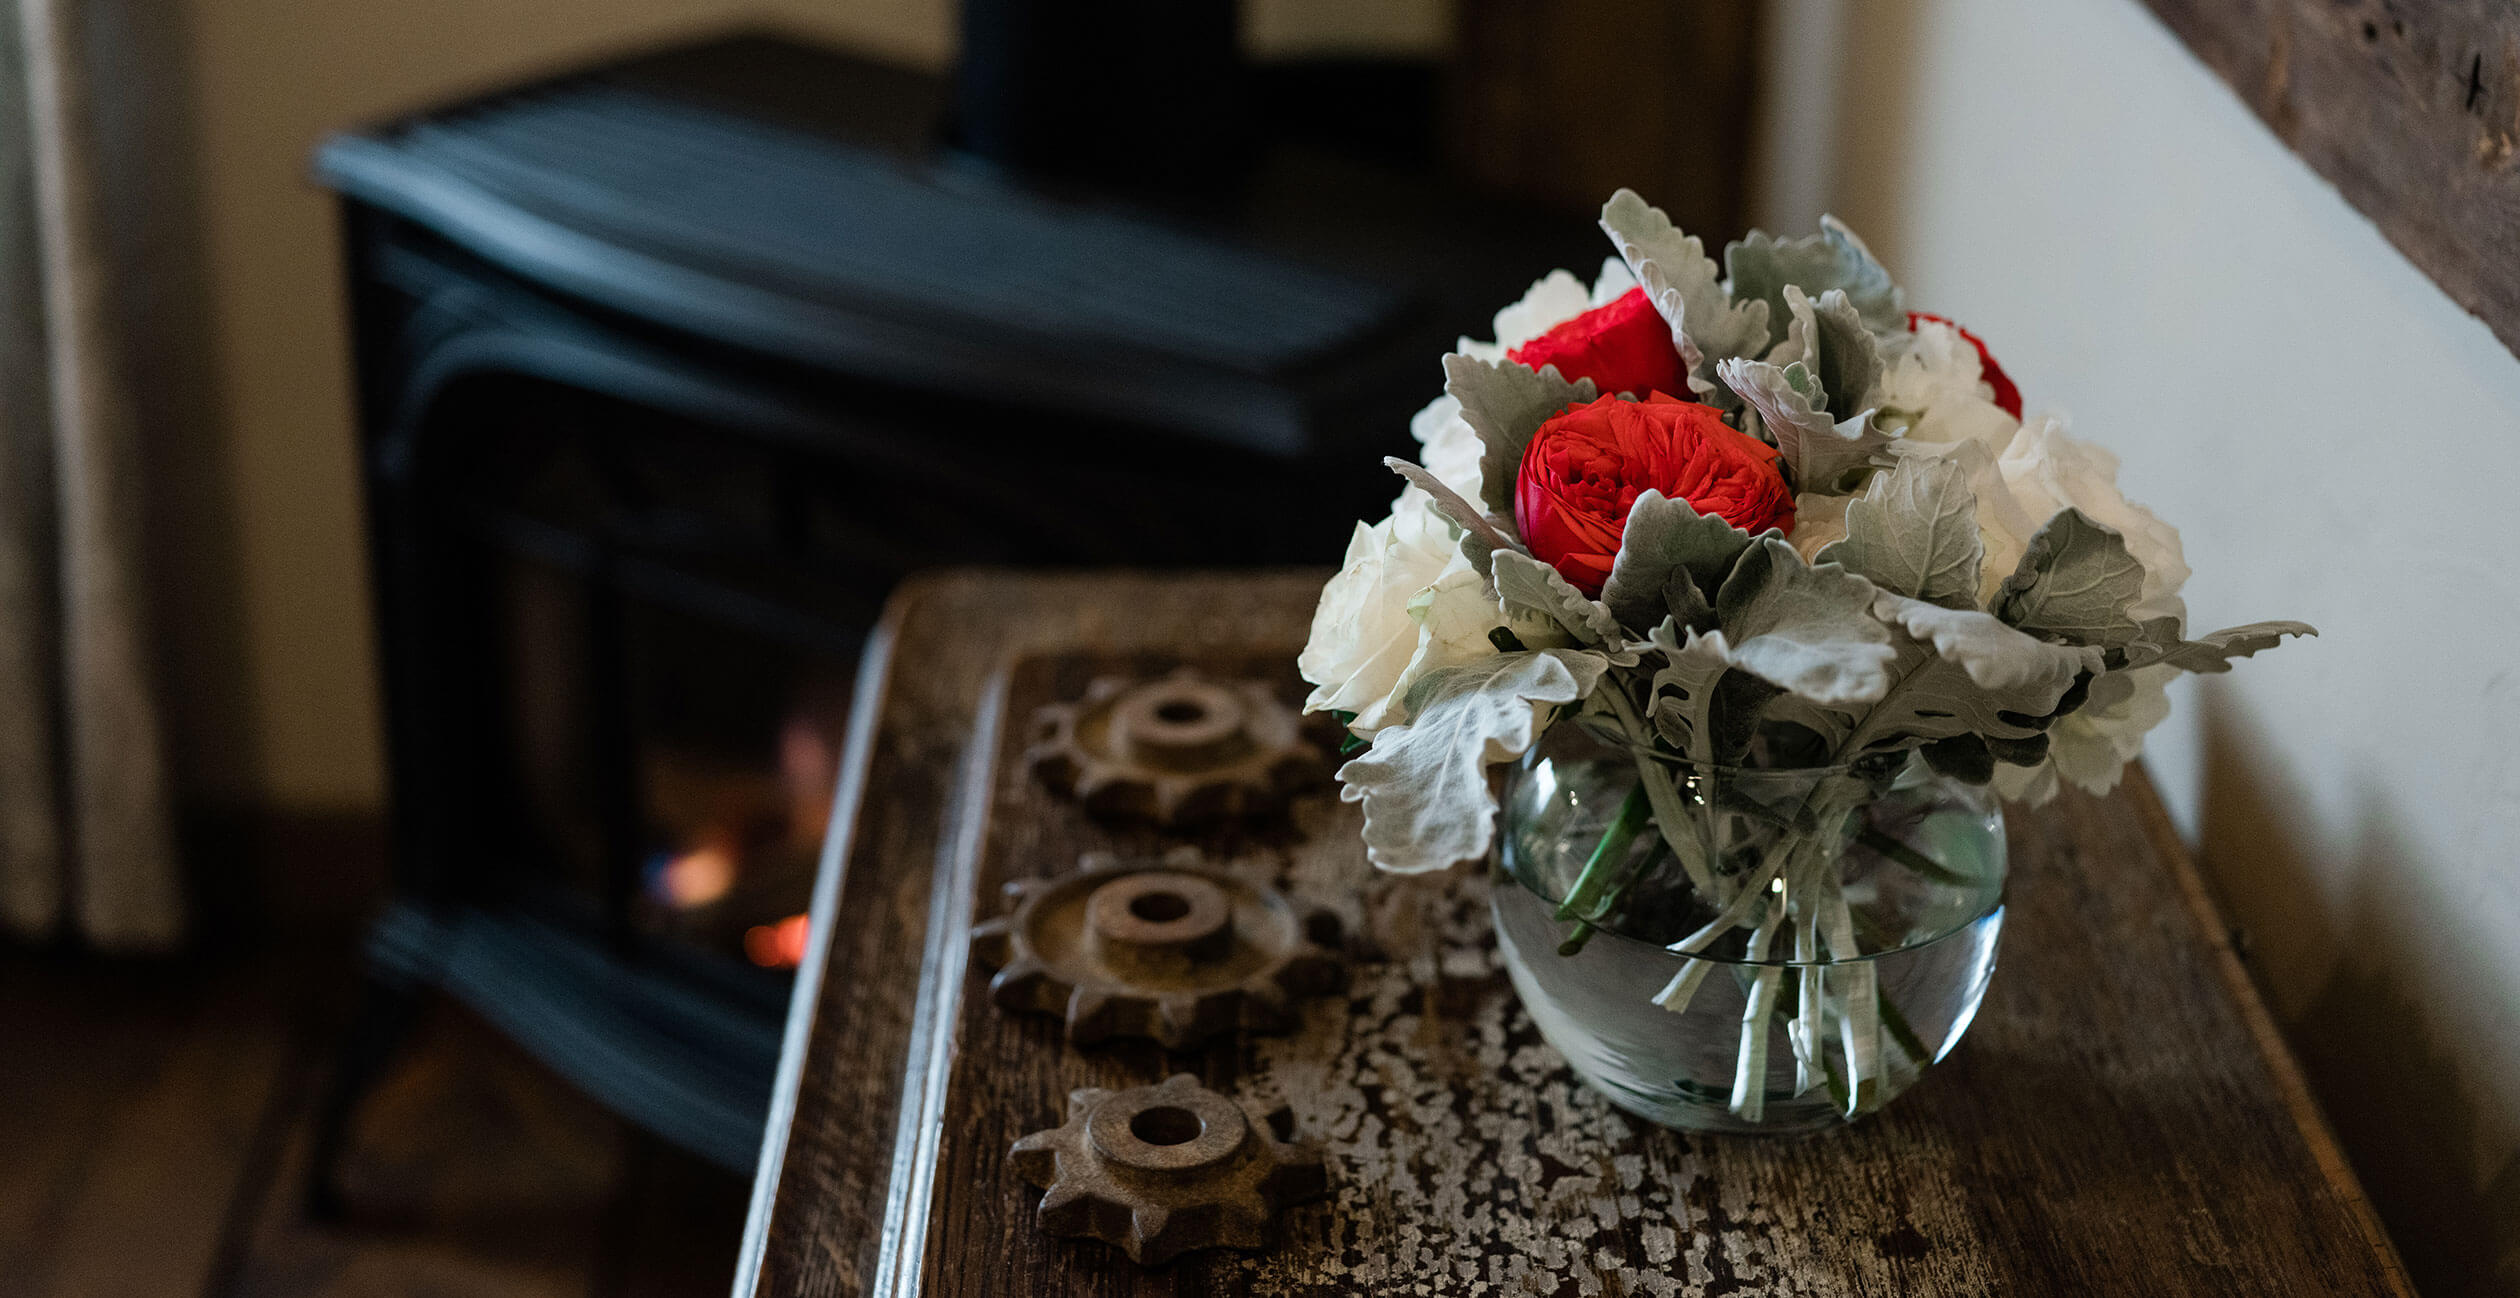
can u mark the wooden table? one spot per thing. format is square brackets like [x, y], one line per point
[2123, 1118]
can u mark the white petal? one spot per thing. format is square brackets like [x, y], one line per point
[1554, 299]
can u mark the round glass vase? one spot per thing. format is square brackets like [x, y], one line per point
[1745, 949]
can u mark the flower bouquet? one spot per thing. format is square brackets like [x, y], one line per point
[1764, 587]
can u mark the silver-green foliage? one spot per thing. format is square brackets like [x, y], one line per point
[1707, 636]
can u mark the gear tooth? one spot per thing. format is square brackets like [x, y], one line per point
[1107, 792]
[1023, 985]
[1055, 768]
[1065, 1208]
[992, 942]
[1295, 1174]
[1089, 1010]
[1146, 1233]
[1036, 1157]
[1096, 861]
[1084, 1098]
[1177, 1019]
[1183, 856]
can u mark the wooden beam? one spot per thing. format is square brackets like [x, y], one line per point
[2411, 108]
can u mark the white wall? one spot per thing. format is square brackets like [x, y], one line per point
[2338, 443]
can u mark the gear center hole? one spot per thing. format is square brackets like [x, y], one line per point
[1182, 712]
[1159, 907]
[1167, 1125]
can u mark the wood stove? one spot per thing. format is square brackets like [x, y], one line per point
[669, 369]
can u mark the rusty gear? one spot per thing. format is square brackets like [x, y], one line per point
[1160, 1170]
[1176, 750]
[1170, 949]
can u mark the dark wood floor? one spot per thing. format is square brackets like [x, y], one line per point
[154, 1124]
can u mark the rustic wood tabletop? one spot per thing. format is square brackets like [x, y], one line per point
[2123, 1118]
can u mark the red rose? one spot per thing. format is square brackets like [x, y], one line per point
[2006, 395]
[1624, 346]
[1585, 468]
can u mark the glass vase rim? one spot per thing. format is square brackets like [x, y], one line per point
[1600, 931]
[1682, 761]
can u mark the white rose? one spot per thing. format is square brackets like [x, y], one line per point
[1552, 300]
[1450, 451]
[2090, 746]
[2044, 472]
[1405, 603]
[1936, 384]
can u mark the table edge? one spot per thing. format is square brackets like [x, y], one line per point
[875, 662]
[2294, 1086]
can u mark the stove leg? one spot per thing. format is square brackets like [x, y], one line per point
[388, 1009]
[402, 954]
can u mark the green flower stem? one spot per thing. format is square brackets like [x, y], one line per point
[1584, 900]
[1737, 913]
[1858, 985]
[1671, 815]
[1810, 985]
[1586, 925]
[1749, 1093]
[1909, 857]
[1677, 993]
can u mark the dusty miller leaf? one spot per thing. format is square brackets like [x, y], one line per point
[1830, 342]
[1848, 359]
[1683, 698]
[1995, 657]
[1505, 403]
[1682, 282]
[1666, 544]
[1820, 453]
[1762, 265]
[1960, 671]
[1914, 532]
[1424, 783]
[2074, 582]
[1481, 535]
[1541, 605]
[1962, 757]
[2213, 651]
[1805, 629]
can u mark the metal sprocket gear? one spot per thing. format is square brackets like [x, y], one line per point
[1160, 1170]
[1178, 749]
[1169, 949]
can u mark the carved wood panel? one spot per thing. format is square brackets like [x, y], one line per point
[2411, 108]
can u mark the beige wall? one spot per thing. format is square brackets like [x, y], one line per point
[2338, 443]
